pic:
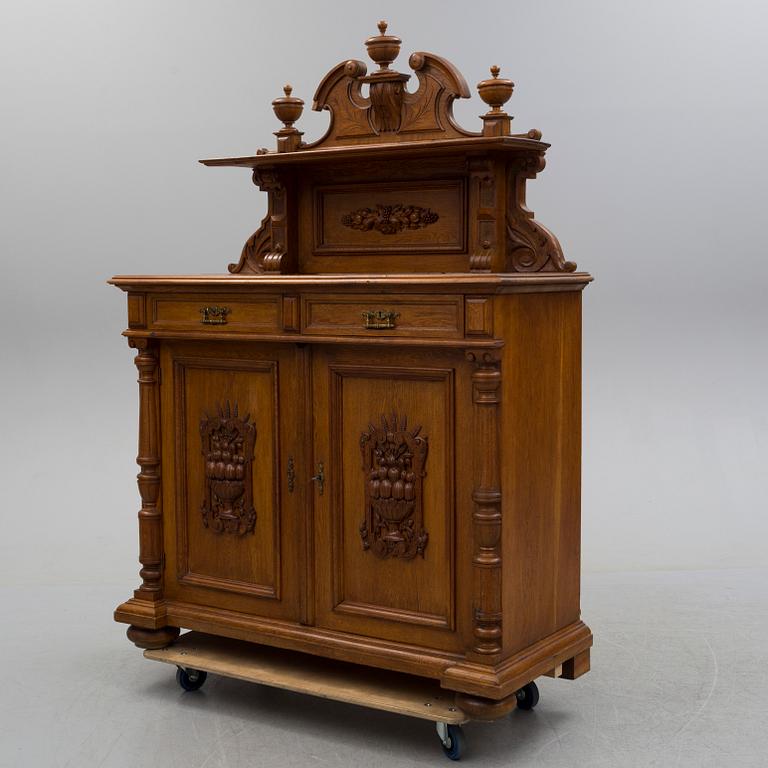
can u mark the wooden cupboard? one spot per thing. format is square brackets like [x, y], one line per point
[363, 442]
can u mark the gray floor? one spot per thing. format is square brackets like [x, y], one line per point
[680, 678]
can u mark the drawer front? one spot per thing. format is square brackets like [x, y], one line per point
[416, 316]
[216, 313]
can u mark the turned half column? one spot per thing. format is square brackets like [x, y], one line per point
[486, 496]
[148, 459]
[150, 514]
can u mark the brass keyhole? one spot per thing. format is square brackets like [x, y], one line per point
[319, 478]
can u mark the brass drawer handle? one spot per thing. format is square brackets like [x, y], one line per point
[214, 315]
[379, 319]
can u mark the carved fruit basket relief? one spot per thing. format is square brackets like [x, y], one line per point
[394, 468]
[228, 443]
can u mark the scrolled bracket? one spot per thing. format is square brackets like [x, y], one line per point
[265, 248]
[530, 246]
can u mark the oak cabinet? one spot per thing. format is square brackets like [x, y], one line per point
[363, 442]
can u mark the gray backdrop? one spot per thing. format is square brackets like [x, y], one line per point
[656, 183]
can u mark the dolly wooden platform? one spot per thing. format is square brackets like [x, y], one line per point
[195, 654]
[313, 675]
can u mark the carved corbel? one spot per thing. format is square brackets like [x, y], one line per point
[264, 249]
[486, 497]
[530, 246]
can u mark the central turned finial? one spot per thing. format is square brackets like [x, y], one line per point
[383, 48]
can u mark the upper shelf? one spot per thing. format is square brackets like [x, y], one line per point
[402, 149]
[395, 185]
[390, 116]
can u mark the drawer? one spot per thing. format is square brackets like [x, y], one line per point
[417, 316]
[216, 313]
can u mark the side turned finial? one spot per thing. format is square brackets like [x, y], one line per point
[496, 92]
[288, 110]
[383, 48]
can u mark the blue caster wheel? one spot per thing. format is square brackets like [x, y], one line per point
[528, 696]
[190, 679]
[452, 739]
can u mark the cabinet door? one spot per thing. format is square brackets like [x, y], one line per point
[232, 531]
[386, 521]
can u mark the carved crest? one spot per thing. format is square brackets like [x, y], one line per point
[390, 110]
[389, 219]
[228, 442]
[393, 470]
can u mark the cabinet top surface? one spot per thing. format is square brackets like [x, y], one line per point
[444, 283]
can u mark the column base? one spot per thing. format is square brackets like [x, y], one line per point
[152, 638]
[479, 708]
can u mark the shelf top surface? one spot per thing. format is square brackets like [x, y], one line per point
[469, 145]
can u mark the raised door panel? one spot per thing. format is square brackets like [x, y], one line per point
[234, 534]
[386, 522]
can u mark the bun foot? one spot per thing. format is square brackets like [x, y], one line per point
[152, 638]
[485, 709]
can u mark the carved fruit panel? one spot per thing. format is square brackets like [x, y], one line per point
[389, 219]
[227, 444]
[393, 217]
[394, 460]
